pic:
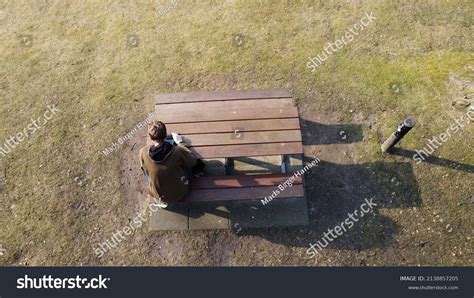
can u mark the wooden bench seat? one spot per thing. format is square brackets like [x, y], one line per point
[250, 187]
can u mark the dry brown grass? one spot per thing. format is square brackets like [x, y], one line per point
[80, 61]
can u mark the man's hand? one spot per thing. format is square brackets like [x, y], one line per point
[177, 138]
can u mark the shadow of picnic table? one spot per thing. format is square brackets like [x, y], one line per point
[335, 190]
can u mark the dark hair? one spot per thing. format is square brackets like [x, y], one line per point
[157, 130]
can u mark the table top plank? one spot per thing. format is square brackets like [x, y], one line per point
[226, 114]
[244, 137]
[247, 150]
[232, 126]
[220, 95]
[234, 105]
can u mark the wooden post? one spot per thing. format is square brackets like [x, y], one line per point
[401, 131]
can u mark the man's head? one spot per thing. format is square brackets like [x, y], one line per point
[157, 131]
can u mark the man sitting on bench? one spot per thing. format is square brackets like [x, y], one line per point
[167, 168]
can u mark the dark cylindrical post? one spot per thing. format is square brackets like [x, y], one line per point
[401, 131]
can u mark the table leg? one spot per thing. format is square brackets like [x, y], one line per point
[284, 161]
[229, 165]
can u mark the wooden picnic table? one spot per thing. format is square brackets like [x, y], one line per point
[231, 124]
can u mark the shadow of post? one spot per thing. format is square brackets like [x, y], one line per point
[435, 160]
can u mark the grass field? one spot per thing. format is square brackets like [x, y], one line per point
[101, 63]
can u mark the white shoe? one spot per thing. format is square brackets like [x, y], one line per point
[159, 203]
